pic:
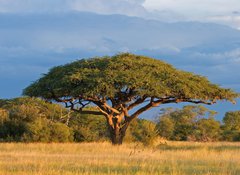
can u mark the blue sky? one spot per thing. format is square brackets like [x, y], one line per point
[198, 36]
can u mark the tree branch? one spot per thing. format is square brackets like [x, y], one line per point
[187, 100]
[89, 112]
[137, 102]
[111, 109]
[145, 108]
[102, 111]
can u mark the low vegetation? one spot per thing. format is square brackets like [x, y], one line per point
[175, 158]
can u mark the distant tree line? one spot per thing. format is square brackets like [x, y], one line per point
[197, 123]
[34, 120]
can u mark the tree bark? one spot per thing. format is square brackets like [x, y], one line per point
[117, 136]
[116, 131]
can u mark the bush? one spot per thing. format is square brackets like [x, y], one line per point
[33, 120]
[60, 133]
[144, 131]
[88, 127]
[165, 127]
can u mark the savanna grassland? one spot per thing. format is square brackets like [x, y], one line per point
[174, 158]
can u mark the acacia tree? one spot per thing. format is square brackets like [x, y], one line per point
[122, 87]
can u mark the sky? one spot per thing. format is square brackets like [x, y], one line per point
[36, 35]
[220, 11]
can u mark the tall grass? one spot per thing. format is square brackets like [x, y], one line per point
[174, 158]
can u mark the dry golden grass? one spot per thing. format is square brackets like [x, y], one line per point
[175, 158]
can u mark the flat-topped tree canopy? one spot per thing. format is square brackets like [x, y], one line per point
[119, 83]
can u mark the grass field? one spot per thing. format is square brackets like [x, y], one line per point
[175, 158]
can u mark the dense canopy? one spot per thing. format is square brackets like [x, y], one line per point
[125, 74]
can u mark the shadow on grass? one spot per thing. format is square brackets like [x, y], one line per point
[175, 148]
[224, 148]
[197, 147]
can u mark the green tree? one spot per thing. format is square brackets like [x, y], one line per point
[208, 129]
[165, 127]
[188, 123]
[231, 126]
[123, 87]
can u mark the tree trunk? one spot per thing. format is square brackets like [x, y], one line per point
[117, 133]
[117, 136]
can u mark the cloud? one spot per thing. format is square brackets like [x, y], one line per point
[126, 7]
[196, 7]
[232, 20]
[218, 11]
[228, 57]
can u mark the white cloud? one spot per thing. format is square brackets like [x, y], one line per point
[230, 20]
[218, 11]
[193, 7]
[228, 57]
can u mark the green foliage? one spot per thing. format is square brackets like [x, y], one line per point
[60, 133]
[107, 76]
[28, 109]
[207, 130]
[189, 124]
[166, 127]
[144, 131]
[232, 120]
[125, 81]
[231, 127]
[38, 131]
[3, 115]
[33, 120]
[88, 127]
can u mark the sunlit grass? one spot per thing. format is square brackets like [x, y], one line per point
[175, 158]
